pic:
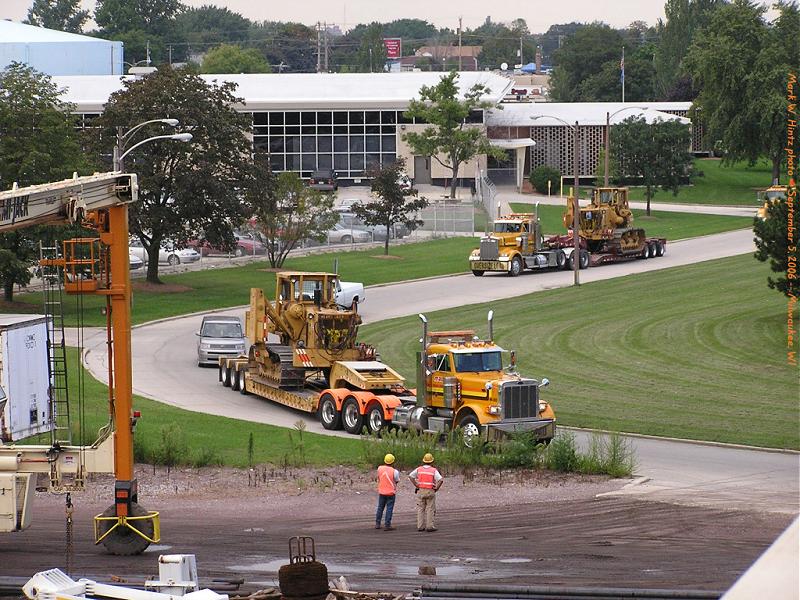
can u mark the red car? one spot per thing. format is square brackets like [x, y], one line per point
[245, 246]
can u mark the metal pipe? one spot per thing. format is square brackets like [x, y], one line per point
[491, 328]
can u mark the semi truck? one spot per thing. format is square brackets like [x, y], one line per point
[303, 353]
[606, 235]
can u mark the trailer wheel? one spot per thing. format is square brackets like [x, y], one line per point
[477, 273]
[242, 386]
[516, 267]
[375, 420]
[226, 377]
[651, 250]
[327, 413]
[123, 541]
[236, 380]
[583, 259]
[470, 430]
[352, 419]
[571, 262]
[660, 248]
[561, 259]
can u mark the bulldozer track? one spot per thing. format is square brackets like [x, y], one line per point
[282, 372]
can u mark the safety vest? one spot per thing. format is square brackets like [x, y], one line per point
[386, 482]
[426, 478]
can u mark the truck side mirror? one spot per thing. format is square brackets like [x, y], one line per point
[544, 383]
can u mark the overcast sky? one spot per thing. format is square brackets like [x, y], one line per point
[539, 14]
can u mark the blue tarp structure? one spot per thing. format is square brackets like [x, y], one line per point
[529, 68]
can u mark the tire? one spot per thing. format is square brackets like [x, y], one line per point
[651, 250]
[470, 429]
[347, 239]
[660, 248]
[375, 420]
[354, 303]
[478, 273]
[239, 252]
[173, 260]
[516, 267]
[352, 419]
[570, 262]
[242, 384]
[226, 377]
[235, 380]
[561, 259]
[123, 541]
[584, 260]
[221, 373]
[303, 580]
[327, 413]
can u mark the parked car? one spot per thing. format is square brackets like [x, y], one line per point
[134, 261]
[324, 180]
[340, 234]
[349, 219]
[246, 245]
[168, 253]
[348, 293]
[219, 336]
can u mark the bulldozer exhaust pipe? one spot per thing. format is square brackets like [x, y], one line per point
[490, 318]
[422, 366]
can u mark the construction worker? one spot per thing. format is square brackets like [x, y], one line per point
[427, 480]
[388, 477]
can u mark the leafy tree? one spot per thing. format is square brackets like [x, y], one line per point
[38, 144]
[554, 37]
[287, 210]
[606, 84]
[414, 32]
[234, 59]
[448, 139]
[503, 46]
[291, 47]
[773, 244]
[392, 202]
[371, 53]
[543, 175]
[741, 64]
[211, 25]
[656, 154]
[142, 25]
[62, 15]
[185, 190]
[583, 55]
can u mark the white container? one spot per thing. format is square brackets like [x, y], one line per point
[24, 377]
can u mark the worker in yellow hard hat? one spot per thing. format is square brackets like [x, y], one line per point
[388, 477]
[427, 480]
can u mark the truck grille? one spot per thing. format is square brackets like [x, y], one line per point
[519, 399]
[489, 249]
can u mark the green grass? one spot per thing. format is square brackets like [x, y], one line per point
[671, 225]
[695, 352]
[733, 185]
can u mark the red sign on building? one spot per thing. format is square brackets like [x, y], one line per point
[394, 47]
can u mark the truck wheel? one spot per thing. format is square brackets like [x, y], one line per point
[226, 377]
[235, 380]
[571, 262]
[651, 250]
[516, 267]
[328, 415]
[561, 259]
[477, 273]
[375, 420]
[470, 430]
[660, 249]
[584, 259]
[242, 386]
[352, 419]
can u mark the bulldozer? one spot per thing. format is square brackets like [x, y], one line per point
[606, 223]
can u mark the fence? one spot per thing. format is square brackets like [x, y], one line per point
[486, 193]
[442, 218]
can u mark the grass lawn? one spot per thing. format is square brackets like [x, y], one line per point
[731, 185]
[671, 225]
[220, 288]
[695, 352]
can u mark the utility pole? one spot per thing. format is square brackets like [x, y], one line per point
[576, 248]
[459, 43]
[325, 39]
[319, 49]
[521, 62]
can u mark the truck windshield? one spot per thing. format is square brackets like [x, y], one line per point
[507, 227]
[477, 361]
[221, 330]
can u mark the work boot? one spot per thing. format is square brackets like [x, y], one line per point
[388, 528]
[420, 529]
[431, 529]
[377, 525]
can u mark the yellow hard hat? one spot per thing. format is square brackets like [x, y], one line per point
[388, 459]
[428, 458]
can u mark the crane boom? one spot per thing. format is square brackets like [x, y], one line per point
[64, 201]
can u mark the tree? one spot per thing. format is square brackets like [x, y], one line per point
[740, 62]
[773, 243]
[503, 46]
[38, 144]
[392, 202]
[142, 25]
[582, 56]
[185, 190]
[606, 84]
[233, 59]
[287, 210]
[291, 47]
[655, 154]
[449, 140]
[62, 15]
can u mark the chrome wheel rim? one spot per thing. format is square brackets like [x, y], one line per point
[328, 411]
[375, 420]
[350, 415]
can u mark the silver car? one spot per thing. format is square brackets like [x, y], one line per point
[341, 234]
[166, 254]
[219, 337]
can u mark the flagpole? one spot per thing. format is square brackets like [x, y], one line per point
[623, 73]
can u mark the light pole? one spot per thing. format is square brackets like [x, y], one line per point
[608, 135]
[123, 138]
[576, 251]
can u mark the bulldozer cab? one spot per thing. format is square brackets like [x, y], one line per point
[306, 288]
[614, 197]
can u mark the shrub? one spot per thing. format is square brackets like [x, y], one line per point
[172, 449]
[562, 454]
[541, 175]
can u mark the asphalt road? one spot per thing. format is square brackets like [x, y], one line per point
[165, 369]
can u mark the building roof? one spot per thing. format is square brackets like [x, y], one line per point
[585, 113]
[449, 51]
[296, 91]
[12, 32]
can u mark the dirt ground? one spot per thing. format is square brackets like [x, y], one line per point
[524, 528]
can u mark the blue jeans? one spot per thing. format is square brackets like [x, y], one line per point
[386, 502]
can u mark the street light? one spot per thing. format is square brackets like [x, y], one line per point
[576, 252]
[608, 135]
[124, 138]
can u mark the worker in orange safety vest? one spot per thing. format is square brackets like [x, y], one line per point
[427, 480]
[388, 477]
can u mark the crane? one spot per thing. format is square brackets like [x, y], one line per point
[90, 265]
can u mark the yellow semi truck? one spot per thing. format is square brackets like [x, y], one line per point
[303, 353]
